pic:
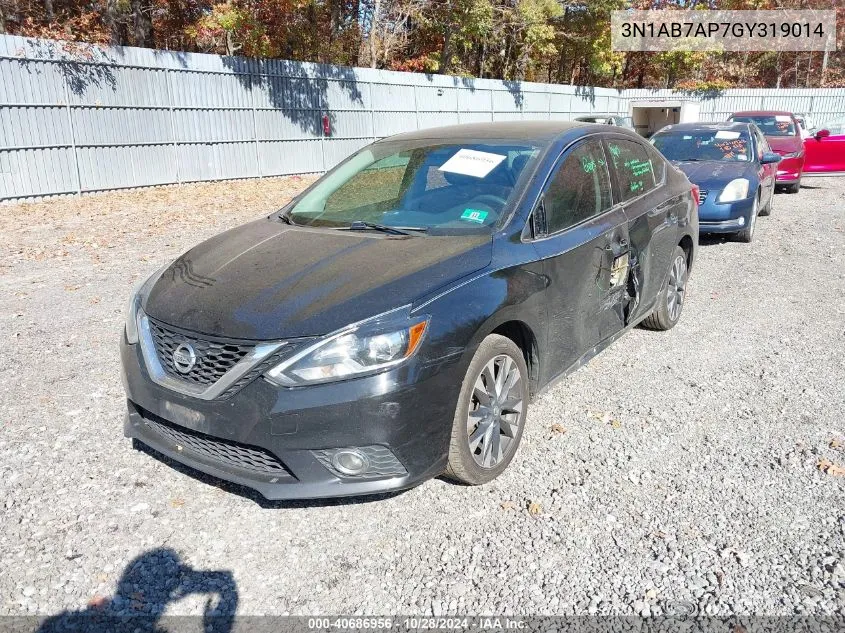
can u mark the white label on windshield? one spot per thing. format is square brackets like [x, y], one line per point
[472, 163]
[782, 118]
[727, 135]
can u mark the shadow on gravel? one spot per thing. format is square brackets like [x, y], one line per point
[149, 583]
[252, 495]
[714, 239]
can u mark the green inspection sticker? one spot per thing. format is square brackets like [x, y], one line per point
[474, 215]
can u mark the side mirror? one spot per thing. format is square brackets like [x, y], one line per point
[770, 157]
[822, 134]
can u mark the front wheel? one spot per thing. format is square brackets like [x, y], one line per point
[747, 234]
[491, 412]
[767, 210]
[670, 299]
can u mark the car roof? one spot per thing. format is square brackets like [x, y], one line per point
[594, 115]
[719, 126]
[543, 132]
[763, 112]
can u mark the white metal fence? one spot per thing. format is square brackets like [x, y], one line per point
[823, 103]
[85, 119]
[78, 118]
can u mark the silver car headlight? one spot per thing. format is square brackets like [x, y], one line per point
[736, 189]
[365, 348]
[139, 291]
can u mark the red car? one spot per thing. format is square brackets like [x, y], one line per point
[784, 137]
[824, 152]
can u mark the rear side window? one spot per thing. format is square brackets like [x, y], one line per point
[633, 167]
[580, 189]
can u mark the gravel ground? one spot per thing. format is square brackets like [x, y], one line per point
[697, 470]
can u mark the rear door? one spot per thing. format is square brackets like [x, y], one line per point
[652, 211]
[582, 237]
[826, 154]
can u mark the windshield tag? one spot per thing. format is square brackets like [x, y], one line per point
[474, 215]
[727, 135]
[472, 163]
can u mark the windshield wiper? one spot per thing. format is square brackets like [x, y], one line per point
[360, 225]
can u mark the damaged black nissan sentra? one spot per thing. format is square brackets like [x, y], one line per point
[393, 322]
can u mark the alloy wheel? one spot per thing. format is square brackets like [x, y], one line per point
[495, 410]
[677, 287]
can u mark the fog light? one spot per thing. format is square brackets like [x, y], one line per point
[350, 462]
[741, 221]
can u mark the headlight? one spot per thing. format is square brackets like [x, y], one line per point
[736, 190]
[366, 348]
[138, 292]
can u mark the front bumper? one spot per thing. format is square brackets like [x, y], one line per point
[279, 441]
[729, 217]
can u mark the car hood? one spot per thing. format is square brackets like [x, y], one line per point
[714, 174]
[785, 144]
[268, 280]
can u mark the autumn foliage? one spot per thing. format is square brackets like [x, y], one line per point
[559, 41]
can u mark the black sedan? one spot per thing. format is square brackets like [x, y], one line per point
[393, 322]
[733, 167]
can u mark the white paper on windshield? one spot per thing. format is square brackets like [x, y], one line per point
[724, 134]
[782, 118]
[472, 163]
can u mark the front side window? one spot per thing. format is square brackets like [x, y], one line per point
[580, 189]
[632, 166]
[689, 145]
[440, 187]
[770, 124]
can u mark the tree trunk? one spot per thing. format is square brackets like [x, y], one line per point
[446, 51]
[48, 10]
[373, 31]
[111, 21]
[141, 27]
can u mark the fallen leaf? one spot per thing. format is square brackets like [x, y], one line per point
[836, 443]
[828, 467]
[72, 288]
[177, 503]
[616, 424]
[534, 508]
[97, 602]
[558, 429]
[508, 505]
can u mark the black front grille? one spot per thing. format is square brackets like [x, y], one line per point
[702, 196]
[225, 452]
[213, 357]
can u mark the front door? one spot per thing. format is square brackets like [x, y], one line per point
[582, 238]
[826, 154]
[639, 176]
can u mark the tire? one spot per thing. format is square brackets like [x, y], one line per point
[747, 234]
[666, 313]
[473, 455]
[793, 188]
[767, 210]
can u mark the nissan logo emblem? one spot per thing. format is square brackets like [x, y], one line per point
[184, 358]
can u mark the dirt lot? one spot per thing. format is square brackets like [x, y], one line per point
[699, 470]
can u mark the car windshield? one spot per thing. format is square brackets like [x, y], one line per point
[722, 145]
[770, 124]
[430, 185]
